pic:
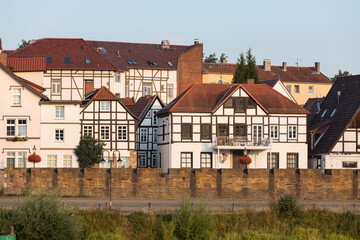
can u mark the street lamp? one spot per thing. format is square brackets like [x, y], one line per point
[111, 161]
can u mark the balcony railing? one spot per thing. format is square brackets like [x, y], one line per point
[241, 141]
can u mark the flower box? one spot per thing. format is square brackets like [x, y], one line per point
[16, 139]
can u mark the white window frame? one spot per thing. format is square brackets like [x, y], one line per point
[274, 131]
[59, 135]
[16, 128]
[22, 125]
[56, 87]
[67, 161]
[12, 126]
[105, 106]
[10, 156]
[142, 160]
[16, 96]
[121, 132]
[154, 117]
[205, 160]
[21, 157]
[186, 159]
[105, 132]
[88, 130]
[143, 135]
[147, 89]
[155, 134]
[59, 112]
[154, 160]
[117, 78]
[170, 91]
[51, 160]
[256, 128]
[311, 90]
[292, 135]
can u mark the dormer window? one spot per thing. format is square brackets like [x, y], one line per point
[101, 49]
[48, 60]
[132, 62]
[170, 64]
[87, 60]
[67, 60]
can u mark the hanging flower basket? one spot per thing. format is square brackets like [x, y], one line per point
[34, 158]
[246, 160]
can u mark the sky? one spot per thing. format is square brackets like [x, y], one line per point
[303, 31]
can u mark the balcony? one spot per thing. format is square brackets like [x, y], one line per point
[240, 143]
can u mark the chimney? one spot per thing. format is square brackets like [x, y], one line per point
[317, 67]
[165, 44]
[196, 42]
[250, 81]
[284, 66]
[3, 59]
[223, 60]
[267, 65]
[338, 96]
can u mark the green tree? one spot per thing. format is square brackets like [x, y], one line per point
[240, 71]
[23, 43]
[223, 57]
[341, 74]
[211, 58]
[246, 68]
[89, 151]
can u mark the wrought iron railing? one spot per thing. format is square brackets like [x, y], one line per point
[241, 141]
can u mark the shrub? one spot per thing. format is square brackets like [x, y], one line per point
[42, 217]
[193, 223]
[144, 225]
[287, 206]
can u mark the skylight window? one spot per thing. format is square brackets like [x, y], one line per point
[101, 49]
[132, 62]
[88, 60]
[323, 114]
[152, 63]
[67, 60]
[158, 47]
[25, 56]
[48, 60]
[333, 112]
[170, 64]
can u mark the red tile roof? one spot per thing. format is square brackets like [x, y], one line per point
[58, 49]
[27, 64]
[292, 74]
[33, 85]
[119, 53]
[128, 101]
[103, 93]
[207, 98]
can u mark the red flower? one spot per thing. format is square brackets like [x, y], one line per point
[246, 160]
[34, 158]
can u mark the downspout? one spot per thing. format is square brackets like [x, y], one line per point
[169, 131]
[322, 163]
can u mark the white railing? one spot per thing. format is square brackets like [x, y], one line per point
[241, 141]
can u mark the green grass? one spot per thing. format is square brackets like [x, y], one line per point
[285, 220]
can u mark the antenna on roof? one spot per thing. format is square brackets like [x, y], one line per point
[297, 62]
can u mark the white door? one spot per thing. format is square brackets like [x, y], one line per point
[257, 134]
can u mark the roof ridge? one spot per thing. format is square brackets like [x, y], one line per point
[137, 43]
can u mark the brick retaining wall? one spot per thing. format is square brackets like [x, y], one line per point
[186, 183]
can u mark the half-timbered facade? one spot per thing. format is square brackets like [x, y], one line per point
[213, 125]
[334, 127]
[106, 118]
[146, 134]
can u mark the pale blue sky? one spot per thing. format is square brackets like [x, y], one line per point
[319, 30]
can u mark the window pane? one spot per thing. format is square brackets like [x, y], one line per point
[186, 131]
[154, 135]
[10, 159]
[292, 160]
[205, 160]
[205, 131]
[142, 160]
[186, 160]
[22, 159]
[67, 161]
[240, 130]
[122, 132]
[104, 132]
[222, 131]
[51, 161]
[274, 160]
[143, 135]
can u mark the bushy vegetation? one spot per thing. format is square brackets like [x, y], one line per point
[43, 217]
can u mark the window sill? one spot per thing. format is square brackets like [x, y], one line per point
[16, 106]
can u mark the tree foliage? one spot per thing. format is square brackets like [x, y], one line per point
[211, 58]
[341, 74]
[89, 151]
[23, 43]
[246, 68]
[223, 57]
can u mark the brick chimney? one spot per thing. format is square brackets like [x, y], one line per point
[284, 66]
[196, 42]
[3, 59]
[267, 65]
[317, 67]
[223, 60]
[165, 44]
[250, 81]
